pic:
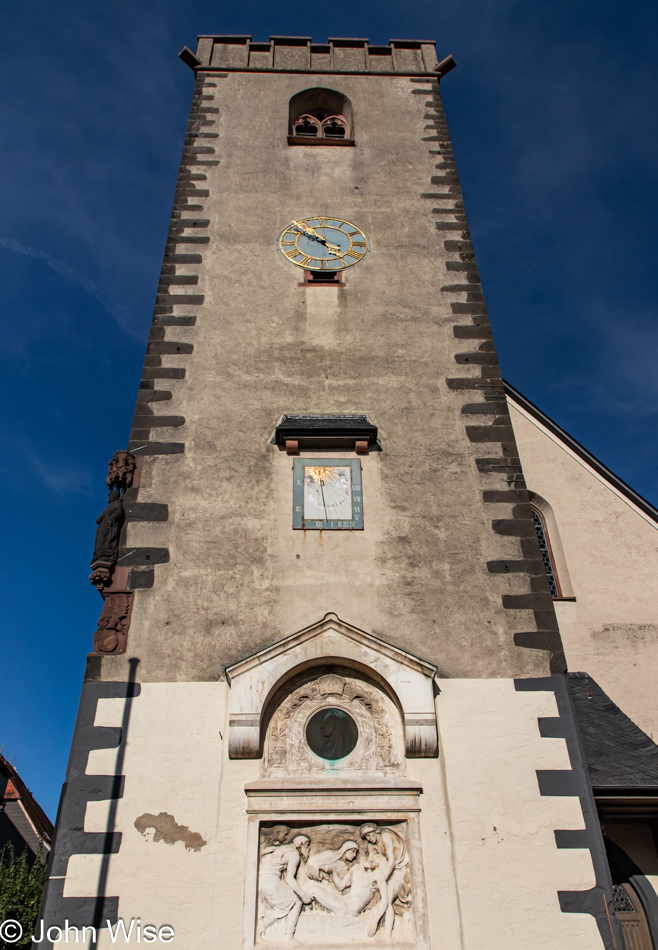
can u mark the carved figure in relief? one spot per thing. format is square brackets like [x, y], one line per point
[336, 882]
[356, 885]
[388, 851]
[277, 835]
[332, 734]
[323, 862]
[280, 892]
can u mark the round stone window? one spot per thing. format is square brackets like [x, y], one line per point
[332, 734]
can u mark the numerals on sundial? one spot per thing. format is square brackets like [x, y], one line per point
[327, 494]
[322, 243]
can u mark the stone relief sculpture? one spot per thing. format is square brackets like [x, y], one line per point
[336, 722]
[121, 469]
[393, 861]
[281, 893]
[112, 633]
[357, 888]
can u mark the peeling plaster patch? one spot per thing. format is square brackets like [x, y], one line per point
[167, 829]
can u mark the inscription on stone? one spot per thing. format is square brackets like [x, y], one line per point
[337, 802]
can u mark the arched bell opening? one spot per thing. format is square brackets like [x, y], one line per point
[320, 113]
[307, 125]
[335, 127]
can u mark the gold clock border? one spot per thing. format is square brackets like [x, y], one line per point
[306, 259]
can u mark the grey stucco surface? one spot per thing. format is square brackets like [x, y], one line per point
[239, 578]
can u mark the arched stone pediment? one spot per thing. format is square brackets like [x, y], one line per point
[255, 680]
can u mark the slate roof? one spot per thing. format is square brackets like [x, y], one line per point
[326, 422]
[349, 427]
[617, 752]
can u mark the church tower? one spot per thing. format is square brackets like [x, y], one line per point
[327, 699]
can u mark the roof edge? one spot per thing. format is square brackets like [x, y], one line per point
[645, 506]
[33, 809]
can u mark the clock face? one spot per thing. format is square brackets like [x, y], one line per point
[323, 244]
[327, 494]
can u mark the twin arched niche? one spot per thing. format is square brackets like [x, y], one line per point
[291, 704]
[318, 113]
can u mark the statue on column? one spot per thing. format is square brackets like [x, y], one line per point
[111, 634]
[106, 547]
[121, 469]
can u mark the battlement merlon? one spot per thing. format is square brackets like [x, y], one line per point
[301, 54]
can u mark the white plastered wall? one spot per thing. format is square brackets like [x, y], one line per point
[611, 553]
[492, 870]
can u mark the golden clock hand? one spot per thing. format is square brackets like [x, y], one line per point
[307, 229]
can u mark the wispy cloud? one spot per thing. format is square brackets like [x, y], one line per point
[61, 478]
[629, 348]
[73, 275]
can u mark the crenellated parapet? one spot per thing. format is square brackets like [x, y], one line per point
[301, 54]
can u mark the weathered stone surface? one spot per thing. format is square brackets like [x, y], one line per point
[381, 344]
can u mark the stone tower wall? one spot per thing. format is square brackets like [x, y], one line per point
[448, 562]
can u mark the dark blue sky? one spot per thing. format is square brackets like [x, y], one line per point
[552, 112]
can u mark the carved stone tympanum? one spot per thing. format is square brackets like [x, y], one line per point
[334, 722]
[335, 883]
